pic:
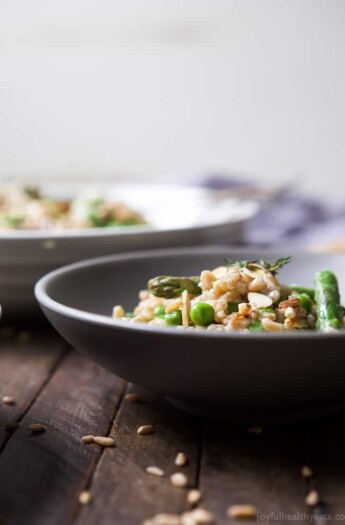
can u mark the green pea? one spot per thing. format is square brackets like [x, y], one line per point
[335, 323]
[129, 314]
[267, 310]
[202, 314]
[232, 308]
[173, 318]
[255, 326]
[159, 311]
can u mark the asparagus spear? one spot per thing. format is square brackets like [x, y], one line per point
[327, 301]
[170, 287]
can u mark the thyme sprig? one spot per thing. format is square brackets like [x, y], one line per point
[260, 264]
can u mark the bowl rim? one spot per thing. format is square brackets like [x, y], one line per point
[250, 209]
[46, 301]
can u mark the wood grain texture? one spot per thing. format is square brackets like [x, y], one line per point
[25, 367]
[326, 451]
[41, 475]
[123, 493]
[263, 470]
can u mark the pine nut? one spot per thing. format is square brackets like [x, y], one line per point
[197, 517]
[181, 459]
[7, 332]
[244, 512]
[255, 430]
[179, 480]
[307, 472]
[37, 428]
[132, 397]
[8, 400]
[163, 518]
[155, 471]
[145, 429]
[312, 498]
[11, 426]
[194, 496]
[88, 439]
[104, 441]
[85, 497]
[23, 337]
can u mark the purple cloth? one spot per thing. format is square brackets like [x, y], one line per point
[290, 218]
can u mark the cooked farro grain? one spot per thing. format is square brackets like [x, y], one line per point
[245, 296]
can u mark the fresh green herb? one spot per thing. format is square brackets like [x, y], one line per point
[260, 264]
[255, 326]
[267, 310]
[32, 191]
[232, 308]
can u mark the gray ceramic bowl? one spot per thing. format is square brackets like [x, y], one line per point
[238, 376]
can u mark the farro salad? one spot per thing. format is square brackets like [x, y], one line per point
[241, 296]
[26, 208]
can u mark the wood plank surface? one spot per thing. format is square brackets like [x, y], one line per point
[41, 475]
[123, 492]
[264, 470]
[27, 361]
[326, 451]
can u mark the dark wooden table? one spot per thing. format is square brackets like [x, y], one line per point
[42, 475]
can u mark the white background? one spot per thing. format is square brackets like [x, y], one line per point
[159, 88]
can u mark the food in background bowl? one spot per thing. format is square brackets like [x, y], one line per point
[27, 208]
[244, 296]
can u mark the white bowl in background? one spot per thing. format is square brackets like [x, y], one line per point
[177, 216]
